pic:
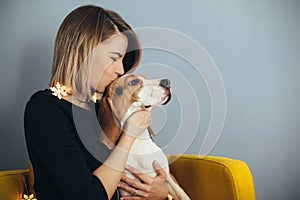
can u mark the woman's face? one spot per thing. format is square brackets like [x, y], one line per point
[107, 62]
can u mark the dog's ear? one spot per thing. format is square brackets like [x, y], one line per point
[111, 105]
[106, 111]
[104, 114]
[119, 101]
[109, 124]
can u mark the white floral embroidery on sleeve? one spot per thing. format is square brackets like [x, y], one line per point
[59, 90]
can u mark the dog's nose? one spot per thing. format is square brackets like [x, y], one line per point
[165, 83]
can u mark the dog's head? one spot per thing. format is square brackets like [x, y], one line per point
[130, 93]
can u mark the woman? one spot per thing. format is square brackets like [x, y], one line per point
[93, 46]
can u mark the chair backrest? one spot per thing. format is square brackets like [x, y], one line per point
[31, 179]
[12, 184]
[212, 178]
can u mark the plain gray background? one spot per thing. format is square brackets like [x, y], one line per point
[255, 45]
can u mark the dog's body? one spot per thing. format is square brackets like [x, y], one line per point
[126, 95]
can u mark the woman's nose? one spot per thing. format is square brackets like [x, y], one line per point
[120, 68]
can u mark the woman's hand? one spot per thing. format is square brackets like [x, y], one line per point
[154, 188]
[137, 123]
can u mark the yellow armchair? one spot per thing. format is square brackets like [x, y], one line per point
[203, 178]
[212, 178]
[12, 184]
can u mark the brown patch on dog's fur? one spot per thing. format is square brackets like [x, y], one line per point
[111, 111]
[109, 124]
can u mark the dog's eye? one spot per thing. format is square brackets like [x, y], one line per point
[134, 82]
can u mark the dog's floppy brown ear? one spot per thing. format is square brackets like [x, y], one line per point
[109, 124]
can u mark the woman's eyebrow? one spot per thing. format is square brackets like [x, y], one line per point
[120, 55]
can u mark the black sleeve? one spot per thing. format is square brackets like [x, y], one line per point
[54, 150]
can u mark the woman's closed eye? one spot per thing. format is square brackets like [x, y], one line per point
[114, 59]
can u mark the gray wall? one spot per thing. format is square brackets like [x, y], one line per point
[255, 45]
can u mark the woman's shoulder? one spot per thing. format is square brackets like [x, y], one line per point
[45, 109]
[45, 116]
[40, 98]
[44, 95]
[43, 100]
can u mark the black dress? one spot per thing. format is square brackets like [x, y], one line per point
[62, 164]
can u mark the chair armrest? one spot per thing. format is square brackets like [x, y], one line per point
[212, 178]
[12, 184]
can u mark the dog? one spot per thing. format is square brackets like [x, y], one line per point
[124, 96]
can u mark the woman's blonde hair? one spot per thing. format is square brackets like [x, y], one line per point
[80, 32]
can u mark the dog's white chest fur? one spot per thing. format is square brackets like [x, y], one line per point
[142, 154]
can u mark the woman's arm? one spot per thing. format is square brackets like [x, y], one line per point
[111, 171]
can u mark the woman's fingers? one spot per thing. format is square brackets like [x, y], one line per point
[133, 183]
[140, 118]
[132, 190]
[137, 123]
[158, 169]
[141, 176]
[147, 187]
